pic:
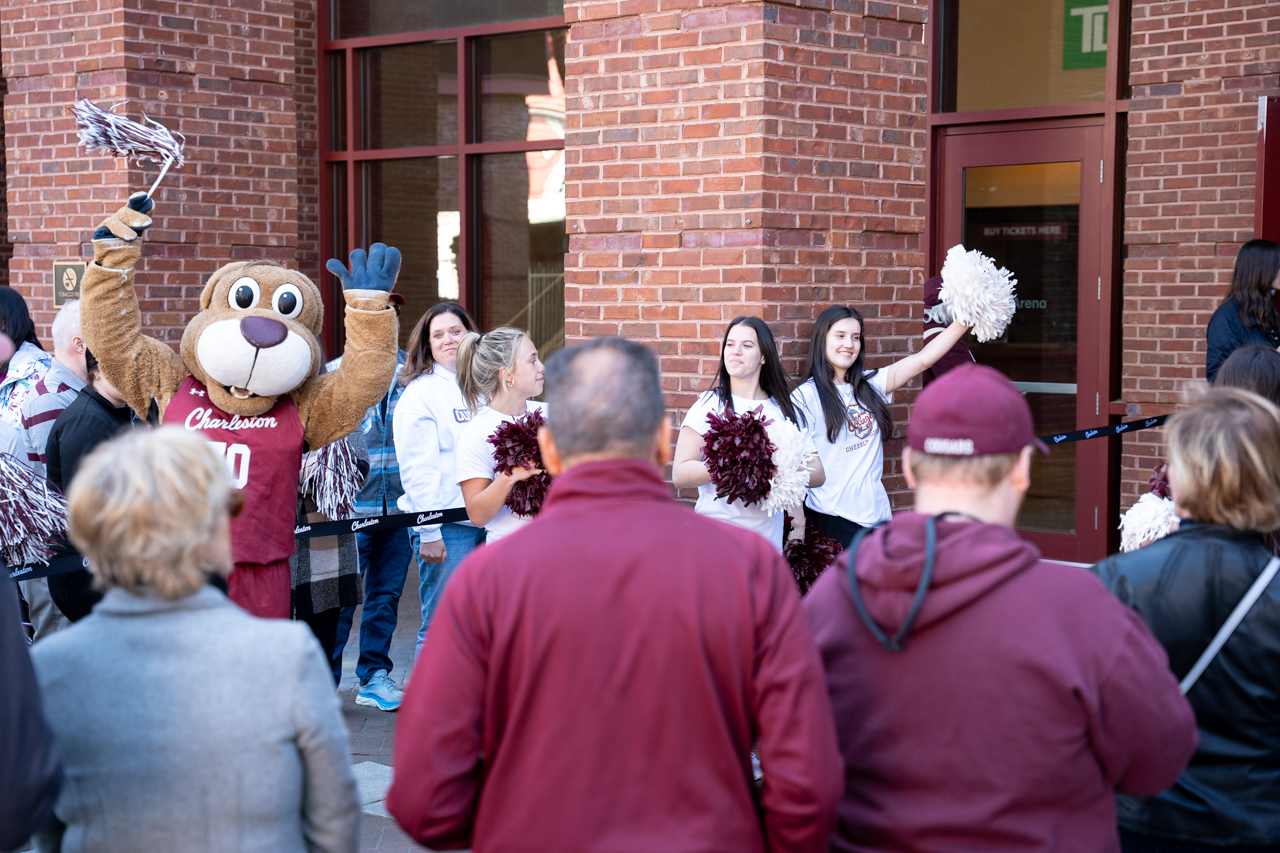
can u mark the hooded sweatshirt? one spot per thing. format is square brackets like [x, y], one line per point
[1025, 697]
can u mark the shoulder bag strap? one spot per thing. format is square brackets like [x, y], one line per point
[1229, 627]
[897, 642]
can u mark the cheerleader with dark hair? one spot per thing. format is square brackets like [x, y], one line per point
[750, 376]
[844, 408]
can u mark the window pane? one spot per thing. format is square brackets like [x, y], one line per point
[337, 99]
[413, 205]
[521, 87]
[338, 210]
[1017, 53]
[357, 18]
[1027, 218]
[522, 245]
[409, 95]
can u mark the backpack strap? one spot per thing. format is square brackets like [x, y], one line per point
[1233, 621]
[897, 642]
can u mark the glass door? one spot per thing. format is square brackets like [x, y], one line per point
[1029, 199]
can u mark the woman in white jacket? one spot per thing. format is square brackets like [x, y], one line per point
[428, 419]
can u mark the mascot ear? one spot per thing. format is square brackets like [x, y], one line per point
[206, 295]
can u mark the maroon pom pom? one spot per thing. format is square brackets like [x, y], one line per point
[515, 445]
[809, 557]
[1159, 481]
[739, 455]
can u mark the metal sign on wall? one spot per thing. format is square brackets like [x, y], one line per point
[67, 276]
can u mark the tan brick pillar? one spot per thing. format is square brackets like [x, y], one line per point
[744, 158]
[219, 72]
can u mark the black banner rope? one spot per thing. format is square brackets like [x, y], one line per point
[1103, 431]
[373, 524]
[377, 523]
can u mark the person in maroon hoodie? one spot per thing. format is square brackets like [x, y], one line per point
[985, 699]
[597, 679]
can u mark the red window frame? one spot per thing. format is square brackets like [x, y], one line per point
[1098, 482]
[464, 151]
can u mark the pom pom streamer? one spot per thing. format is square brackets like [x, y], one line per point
[1159, 481]
[811, 556]
[331, 477]
[32, 514]
[739, 456]
[105, 131]
[791, 463]
[515, 445]
[977, 292]
[1151, 518]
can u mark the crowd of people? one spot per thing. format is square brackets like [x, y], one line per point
[619, 672]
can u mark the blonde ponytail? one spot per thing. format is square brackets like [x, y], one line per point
[481, 360]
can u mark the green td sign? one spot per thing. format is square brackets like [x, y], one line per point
[1084, 34]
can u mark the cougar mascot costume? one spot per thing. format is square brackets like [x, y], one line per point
[248, 378]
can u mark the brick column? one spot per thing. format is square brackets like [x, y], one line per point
[1197, 71]
[220, 72]
[744, 158]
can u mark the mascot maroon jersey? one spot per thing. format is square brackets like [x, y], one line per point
[264, 455]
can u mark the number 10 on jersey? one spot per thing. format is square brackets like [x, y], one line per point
[237, 456]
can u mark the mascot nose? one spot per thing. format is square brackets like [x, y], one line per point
[263, 332]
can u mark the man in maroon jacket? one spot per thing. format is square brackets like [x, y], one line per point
[597, 680]
[985, 699]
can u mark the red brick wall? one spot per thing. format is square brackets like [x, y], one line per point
[220, 72]
[1197, 68]
[306, 95]
[744, 158]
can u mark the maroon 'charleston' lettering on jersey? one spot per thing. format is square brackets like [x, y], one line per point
[264, 454]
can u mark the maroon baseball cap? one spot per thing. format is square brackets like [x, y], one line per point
[972, 410]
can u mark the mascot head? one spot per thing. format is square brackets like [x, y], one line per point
[255, 337]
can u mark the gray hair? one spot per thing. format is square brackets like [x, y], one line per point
[66, 325]
[604, 396]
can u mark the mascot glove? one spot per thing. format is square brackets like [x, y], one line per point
[128, 222]
[377, 271]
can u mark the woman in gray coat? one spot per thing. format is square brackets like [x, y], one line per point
[184, 723]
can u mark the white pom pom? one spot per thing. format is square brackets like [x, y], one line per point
[1151, 518]
[977, 292]
[32, 514]
[791, 460]
[331, 477]
[114, 134]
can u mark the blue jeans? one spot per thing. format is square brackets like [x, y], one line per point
[384, 559]
[459, 541]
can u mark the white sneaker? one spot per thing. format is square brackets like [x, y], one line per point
[380, 692]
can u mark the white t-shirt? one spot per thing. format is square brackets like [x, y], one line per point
[473, 457]
[854, 462]
[749, 516]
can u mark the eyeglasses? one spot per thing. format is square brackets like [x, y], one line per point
[235, 503]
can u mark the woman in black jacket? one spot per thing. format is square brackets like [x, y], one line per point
[1226, 489]
[97, 414]
[1247, 315]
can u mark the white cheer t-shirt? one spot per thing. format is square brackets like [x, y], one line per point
[473, 457]
[854, 462]
[749, 516]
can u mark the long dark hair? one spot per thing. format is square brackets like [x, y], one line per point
[420, 361]
[823, 374]
[773, 378]
[1253, 367]
[15, 319]
[1251, 281]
